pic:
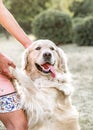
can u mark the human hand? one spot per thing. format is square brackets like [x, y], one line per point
[5, 63]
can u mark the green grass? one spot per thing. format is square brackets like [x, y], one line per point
[80, 62]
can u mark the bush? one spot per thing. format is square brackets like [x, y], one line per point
[84, 32]
[53, 25]
[77, 20]
[81, 8]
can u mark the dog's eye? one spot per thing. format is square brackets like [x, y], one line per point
[38, 48]
[52, 48]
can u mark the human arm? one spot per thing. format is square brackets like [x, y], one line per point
[11, 25]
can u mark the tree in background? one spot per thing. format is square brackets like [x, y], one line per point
[81, 8]
[62, 5]
[25, 10]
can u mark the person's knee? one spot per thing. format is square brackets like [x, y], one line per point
[20, 124]
[14, 120]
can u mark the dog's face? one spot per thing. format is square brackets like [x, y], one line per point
[44, 57]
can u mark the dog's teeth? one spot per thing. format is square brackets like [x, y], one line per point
[46, 69]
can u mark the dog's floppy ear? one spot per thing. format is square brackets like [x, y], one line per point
[25, 59]
[62, 60]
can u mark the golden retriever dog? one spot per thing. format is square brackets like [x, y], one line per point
[45, 89]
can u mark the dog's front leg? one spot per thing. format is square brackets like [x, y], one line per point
[23, 80]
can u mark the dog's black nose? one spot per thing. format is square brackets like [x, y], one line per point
[47, 55]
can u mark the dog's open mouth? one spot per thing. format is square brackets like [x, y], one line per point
[46, 68]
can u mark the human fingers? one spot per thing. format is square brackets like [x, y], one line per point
[12, 64]
[7, 73]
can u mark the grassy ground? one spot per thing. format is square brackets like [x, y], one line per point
[80, 61]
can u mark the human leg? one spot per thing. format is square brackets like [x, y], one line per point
[15, 120]
[11, 113]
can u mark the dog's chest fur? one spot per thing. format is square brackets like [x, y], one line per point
[46, 102]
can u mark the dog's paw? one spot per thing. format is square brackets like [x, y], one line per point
[63, 77]
[15, 72]
[23, 79]
[67, 89]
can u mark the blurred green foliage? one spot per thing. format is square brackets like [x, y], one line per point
[53, 25]
[83, 32]
[25, 11]
[81, 8]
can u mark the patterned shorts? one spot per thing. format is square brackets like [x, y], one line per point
[10, 102]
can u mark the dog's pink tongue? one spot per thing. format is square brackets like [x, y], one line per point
[50, 67]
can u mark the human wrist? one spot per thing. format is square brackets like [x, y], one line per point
[26, 42]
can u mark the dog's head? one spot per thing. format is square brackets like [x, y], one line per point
[45, 58]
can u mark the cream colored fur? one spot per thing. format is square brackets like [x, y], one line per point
[46, 99]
